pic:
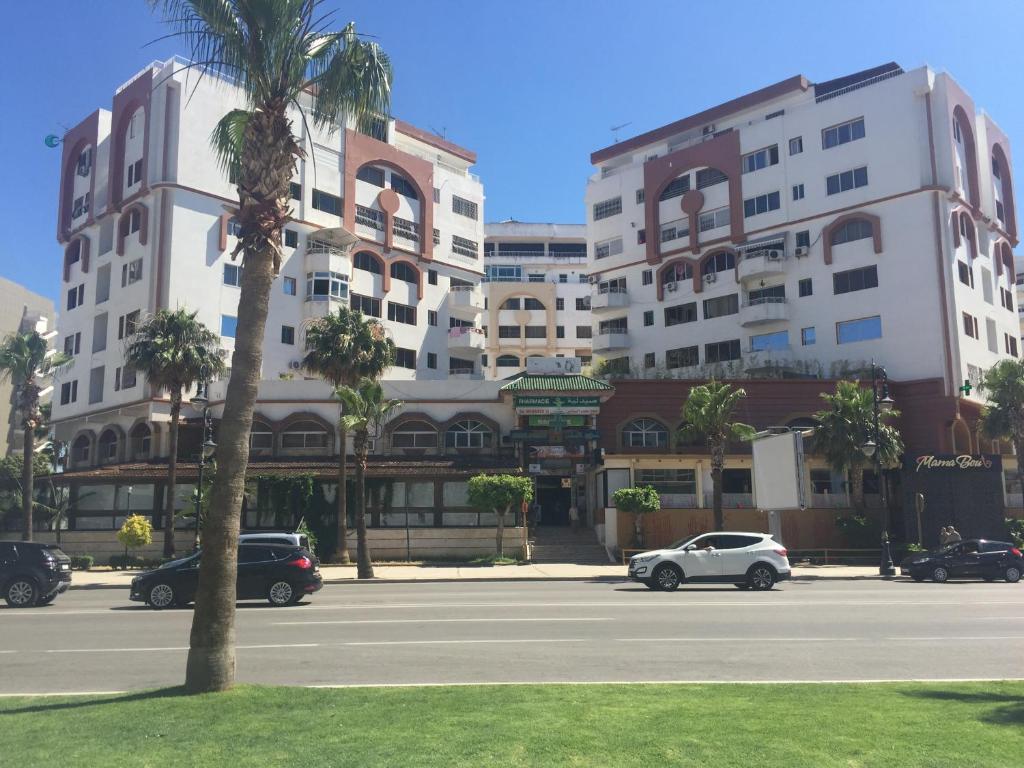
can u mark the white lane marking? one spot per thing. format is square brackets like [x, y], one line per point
[844, 681]
[945, 638]
[437, 621]
[740, 639]
[473, 642]
[113, 650]
[35, 694]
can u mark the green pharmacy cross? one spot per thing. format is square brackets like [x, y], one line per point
[965, 390]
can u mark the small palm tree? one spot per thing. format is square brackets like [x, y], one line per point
[174, 351]
[366, 412]
[26, 361]
[281, 56]
[708, 416]
[844, 426]
[1003, 417]
[344, 348]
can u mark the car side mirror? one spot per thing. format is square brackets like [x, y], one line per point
[689, 548]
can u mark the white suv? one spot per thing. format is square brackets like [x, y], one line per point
[748, 560]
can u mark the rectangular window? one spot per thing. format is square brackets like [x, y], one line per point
[851, 280]
[798, 191]
[842, 133]
[96, 385]
[607, 208]
[124, 378]
[68, 392]
[559, 331]
[76, 296]
[769, 295]
[803, 239]
[291, 238]
[762, 158]
[130, 273]
[99, 332]
[290, 286]
[617, 325]
[327, 203]
[807, 337]
[536, 332]
[847, 180]
[721, 306]
[605, 248]
[464, 247]
[232, 274]
[647, 277]
[366, 304]
[805, 287]
[584, 332]
[863, 329]
[649, 361]
[761, 204]
[796, 146]
[991, 335]
[401, 313]
[72, 344]
[371, 175]
[437, 199]
[508, 332]
[464, 207]
[641, 236]
[432, 360]
[1010, 343]
[722, 351]
[639, 197]
[126, 324]
[559, 304]
[583, 304]
[405, 358]
[432, 276]
[768, 342]
[971, 325]
[103, 281]
[683, 357]
[966, 273]
[682, 313]
[431, 317]
[713, 219]
[402, 186]
[287, 334]
[228, 326]
[1007, 299]
[295, 191]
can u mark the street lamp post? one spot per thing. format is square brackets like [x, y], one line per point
[201, 402]
[872, 449]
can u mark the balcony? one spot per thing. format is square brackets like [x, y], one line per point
[730, 500]
[604, 342]
[466, 340]
[768, 310]
[465, 302]
[609, 300]
[761, 265]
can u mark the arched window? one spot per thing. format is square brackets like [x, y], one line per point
[468, 434]
[140, 441]
[508, 361]
[678, 272]
[367, 262]
[304, 434]
[80, 450]
[261, 438]
[513, 303]
[414, 434]
[108, 446]
[857, 229]
[720, 262]
[402, 186]
[401, 270]
[645, 433]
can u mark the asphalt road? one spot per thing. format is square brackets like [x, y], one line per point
[440, 633]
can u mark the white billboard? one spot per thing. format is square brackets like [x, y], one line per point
[779, 471]
[553, 365]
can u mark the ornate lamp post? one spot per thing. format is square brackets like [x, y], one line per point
[883, 404]
[201, 402]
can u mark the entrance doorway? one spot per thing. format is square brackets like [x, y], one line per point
[554, 500]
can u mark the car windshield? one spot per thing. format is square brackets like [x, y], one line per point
[180, 561]
[683, 542]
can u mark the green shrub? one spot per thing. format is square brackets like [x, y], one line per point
[861, 532]
[82, 562]
[126, 562]
[1015, 527]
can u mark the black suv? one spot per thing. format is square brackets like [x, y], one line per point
[281, 574]
[969, 559]
[32, 573]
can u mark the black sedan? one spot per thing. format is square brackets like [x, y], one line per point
[970, 559]
[279, 574]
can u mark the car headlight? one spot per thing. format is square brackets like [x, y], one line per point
[643, 558]
[919, 561]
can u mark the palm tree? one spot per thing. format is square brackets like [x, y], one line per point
[844, 426]
[344, 348]
[366, 412]
[1003, 416]
[280, 55]
[708, 416]
[26, 361]
[175, 352]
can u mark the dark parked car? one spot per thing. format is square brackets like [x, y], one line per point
[32, 573]
[970, 559]
[280, 574]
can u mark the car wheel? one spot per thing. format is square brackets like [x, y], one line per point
[1012, 574]
[21, 593]
[940, 575]
[667, 577]
[46, 600]
[160, 596]
[742, 586]
[761, 577]
[281, 593]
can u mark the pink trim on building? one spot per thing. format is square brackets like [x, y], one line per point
[832, 226]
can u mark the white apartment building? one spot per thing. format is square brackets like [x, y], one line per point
[145, 218]
[536, 294]
[1019, 264]
[807, 229]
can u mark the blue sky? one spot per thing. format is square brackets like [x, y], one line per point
[533, 87]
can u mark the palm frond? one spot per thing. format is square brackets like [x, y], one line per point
[352, 77]
[228, 140]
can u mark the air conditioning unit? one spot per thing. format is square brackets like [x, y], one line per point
[709, 129]
[800, 251]
[710, 277]
[671, 287]
[774, 255]
[593, 279]
[295, 365]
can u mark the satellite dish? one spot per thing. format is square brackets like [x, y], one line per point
[52, 141]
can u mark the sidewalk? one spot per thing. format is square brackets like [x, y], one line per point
[346, 574]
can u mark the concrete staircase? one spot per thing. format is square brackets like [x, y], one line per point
[561, 544]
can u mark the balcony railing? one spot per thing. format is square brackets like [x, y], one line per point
[679, 501]
[405, 228]
[369, 217]
[830, 500]
[730, 500]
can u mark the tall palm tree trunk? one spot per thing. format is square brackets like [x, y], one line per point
[340, 554]
[172, 475]
[717, 464]
[364, 566]
[27, 479]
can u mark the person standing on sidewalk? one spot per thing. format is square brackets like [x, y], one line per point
[943, 536]
[574, 517]
[954, 537]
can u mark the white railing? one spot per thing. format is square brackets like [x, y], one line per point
[855, 86]
[602, 288]
[829, 500]
[730, 500]
[764, 300]
[679, 501]
[462, 330]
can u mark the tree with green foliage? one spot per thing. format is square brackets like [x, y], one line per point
[175, 352]
[366, 411]
[281, 56]
[343, 348]
[638, 502]
[1002, 417]
[500, 494]
[844, 426]
[26, 360]
[709, 416]
[136, 532]
[12, 478]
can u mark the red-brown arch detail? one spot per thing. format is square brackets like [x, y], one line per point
[832, 226]
[1003, 256]
[136, 94]
[962, 214]
[1009, 209]
[411, 263]
[971, 153]
[123, 223]
[698, 277]
[83, 135]
[385, 271]
[663, 270]
[81, 244]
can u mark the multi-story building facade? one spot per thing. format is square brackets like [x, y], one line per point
[536, 294]
[809, 228]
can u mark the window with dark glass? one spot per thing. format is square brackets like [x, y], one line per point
[368, 305]
[682, 357]
[681, 313]
[401, 313]
[327, 203]
[367, 263]
[722, 351]
[851, 280]
[721, 306]
[405, 358]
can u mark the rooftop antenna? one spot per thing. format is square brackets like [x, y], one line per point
[616, 128]
[443, 133]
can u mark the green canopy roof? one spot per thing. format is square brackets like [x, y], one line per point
[560, 383]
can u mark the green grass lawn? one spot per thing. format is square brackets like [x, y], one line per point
[897, 724]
